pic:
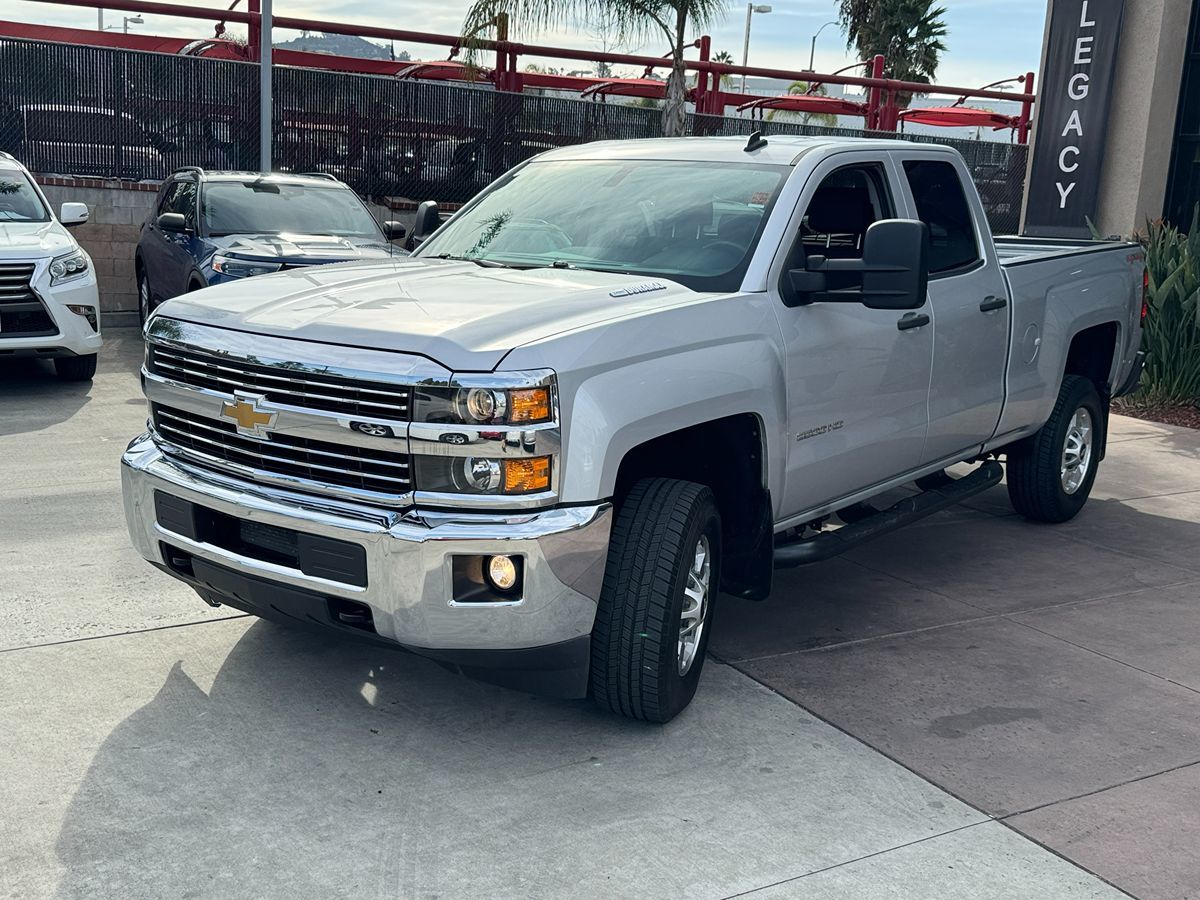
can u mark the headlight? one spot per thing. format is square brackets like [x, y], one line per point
[64, 268]
[477, 475]
[242, 268]
[519, 398]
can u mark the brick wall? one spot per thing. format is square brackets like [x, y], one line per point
[110, 237]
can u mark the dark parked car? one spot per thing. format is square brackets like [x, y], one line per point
[211, 227]
[81, 140]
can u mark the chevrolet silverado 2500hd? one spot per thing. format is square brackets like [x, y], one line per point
[625, 375]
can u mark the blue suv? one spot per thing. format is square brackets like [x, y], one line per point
[211, 227]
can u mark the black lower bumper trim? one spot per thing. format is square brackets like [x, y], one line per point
[553, 670]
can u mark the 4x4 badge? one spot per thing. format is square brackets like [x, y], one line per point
[250, 419]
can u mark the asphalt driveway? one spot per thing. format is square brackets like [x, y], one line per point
[914, 720]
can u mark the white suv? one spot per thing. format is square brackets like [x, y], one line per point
[49, 305]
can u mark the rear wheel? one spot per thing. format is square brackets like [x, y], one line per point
[656, 606]
[75, 368]
[1050, 475]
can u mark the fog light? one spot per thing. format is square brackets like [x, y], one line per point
[88, 312]
[502, 572]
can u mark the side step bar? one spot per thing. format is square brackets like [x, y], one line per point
[910, 509]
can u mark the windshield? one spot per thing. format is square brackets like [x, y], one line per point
[19, 202]
[695, 223]
[266, 207]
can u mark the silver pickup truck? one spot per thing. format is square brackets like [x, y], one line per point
[623, 377]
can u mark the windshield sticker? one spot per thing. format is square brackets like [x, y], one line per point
[760, 198]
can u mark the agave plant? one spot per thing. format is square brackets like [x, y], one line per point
[1171, 331]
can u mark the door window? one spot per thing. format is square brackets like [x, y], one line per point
[942, 205]
[181, 198]
[845, 204]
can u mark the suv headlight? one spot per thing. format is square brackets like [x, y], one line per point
[487, 435]
[242, 268]
[71, 265]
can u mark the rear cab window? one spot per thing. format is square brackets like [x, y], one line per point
[942, 205]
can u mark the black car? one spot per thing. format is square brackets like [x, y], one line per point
[211, 227]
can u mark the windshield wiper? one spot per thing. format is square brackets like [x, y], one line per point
[486, 263]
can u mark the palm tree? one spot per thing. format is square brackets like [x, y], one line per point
[907, 32]
[724, 57]
[631, 19]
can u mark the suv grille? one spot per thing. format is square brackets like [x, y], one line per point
[353, 398]
[21, 312]
[380, 473]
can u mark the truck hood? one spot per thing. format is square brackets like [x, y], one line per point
[456, 313]
[301, 249]
[24, 240]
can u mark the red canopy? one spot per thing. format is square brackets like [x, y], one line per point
[807, 103]
[952, 116]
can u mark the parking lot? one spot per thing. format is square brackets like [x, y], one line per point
[971, 707]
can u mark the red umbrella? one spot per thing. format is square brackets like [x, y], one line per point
[807, 103]
[957, 116]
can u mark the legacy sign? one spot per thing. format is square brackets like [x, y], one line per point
[1068, 146]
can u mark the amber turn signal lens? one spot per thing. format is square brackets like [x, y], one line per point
[529, 405]
[525, 476]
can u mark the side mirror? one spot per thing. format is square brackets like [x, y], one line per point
[428, 220]
[894, 270]
[72, 214]
[393, 230]
[172, 222]
[896, 264]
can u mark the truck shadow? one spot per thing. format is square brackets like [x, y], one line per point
[33, 397]
[307, 756]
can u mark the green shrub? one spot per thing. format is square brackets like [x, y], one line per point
[1171, 331]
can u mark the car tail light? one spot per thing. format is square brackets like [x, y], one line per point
[1145, 293]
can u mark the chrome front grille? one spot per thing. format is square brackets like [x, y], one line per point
[376, 474]
[21, 311]
[301, 387]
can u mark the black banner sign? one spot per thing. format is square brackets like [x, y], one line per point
[1072, 117]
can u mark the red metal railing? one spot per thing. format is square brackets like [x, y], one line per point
[880, 113]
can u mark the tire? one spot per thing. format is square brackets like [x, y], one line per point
[1049, 480]
[145, 304]
[75, 368]
[638, 665]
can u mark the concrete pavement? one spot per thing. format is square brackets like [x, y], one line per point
[156, 748]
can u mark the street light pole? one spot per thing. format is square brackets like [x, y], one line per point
[812, 51]
[751, 9]
[264, 88]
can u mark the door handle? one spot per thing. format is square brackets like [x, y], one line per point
[991, 303]
[912, 320]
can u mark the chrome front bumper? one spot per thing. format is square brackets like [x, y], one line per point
[408, 556]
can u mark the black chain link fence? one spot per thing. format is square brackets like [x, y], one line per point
[112, 113]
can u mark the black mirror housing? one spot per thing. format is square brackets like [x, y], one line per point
[172, 222]
[394, 230]
[896, 264]
[427, 221]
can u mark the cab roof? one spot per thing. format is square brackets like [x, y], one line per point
[780, 149]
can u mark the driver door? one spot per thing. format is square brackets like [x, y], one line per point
[857, 378]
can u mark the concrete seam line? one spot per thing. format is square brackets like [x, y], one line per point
[1103, 655]
[848, 862]
[1112, 787]
[886, 755]
[116, 634]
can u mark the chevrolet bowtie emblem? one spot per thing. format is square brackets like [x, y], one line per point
[250, 419]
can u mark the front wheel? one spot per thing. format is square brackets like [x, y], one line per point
[75, 368]
[656, 605]
[145, 303]
[1050, 474]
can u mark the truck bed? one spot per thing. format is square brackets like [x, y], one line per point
[1014, 250]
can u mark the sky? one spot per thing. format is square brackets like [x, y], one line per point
[988, 40]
